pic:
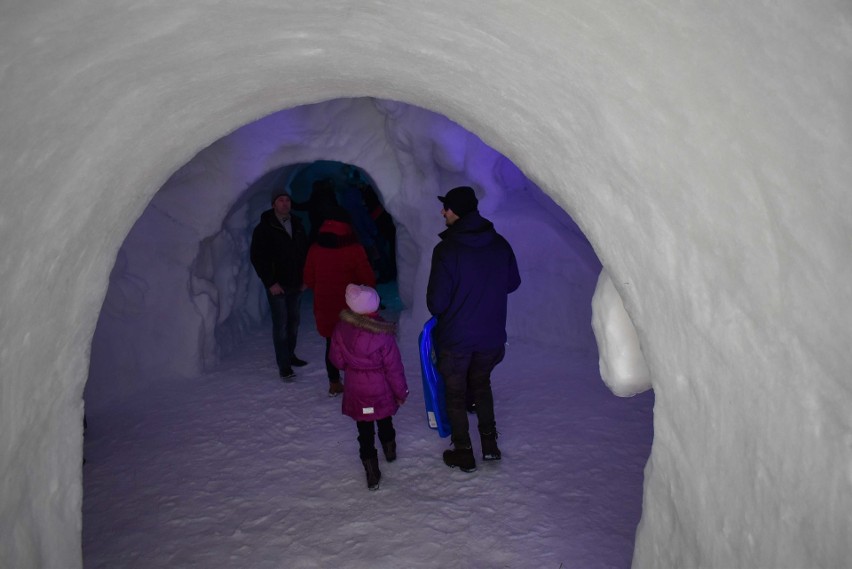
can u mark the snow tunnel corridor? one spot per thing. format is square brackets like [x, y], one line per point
[197, 453]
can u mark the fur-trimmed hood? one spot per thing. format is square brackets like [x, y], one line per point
[374, 325]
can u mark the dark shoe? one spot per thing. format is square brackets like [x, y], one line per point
[287, 375]
[461, 458]
[489, 446]
[335, 388]
[371, 467]
[298, 362]
[390, 450]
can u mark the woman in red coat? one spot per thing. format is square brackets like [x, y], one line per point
[334, 261]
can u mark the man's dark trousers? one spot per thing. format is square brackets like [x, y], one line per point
[463, 372]
[285, 326]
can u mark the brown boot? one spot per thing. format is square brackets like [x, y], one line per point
[335, 388]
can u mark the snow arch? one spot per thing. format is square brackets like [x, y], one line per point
[704, 153]
[160, 319]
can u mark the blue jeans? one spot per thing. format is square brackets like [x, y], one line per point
[463, 373]
[285, 326]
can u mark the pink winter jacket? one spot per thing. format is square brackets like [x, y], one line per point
[364, 349]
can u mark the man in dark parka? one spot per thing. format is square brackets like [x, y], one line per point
[278, 249]
[473, 271]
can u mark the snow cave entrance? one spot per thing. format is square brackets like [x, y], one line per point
[182, 294]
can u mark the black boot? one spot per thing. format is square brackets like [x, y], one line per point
[461, 458]
[390, 450]
[371, 467]
[489, 446]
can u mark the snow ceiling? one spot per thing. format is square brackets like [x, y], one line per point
[704, 151]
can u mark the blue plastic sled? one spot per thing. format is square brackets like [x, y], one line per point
[433, 383]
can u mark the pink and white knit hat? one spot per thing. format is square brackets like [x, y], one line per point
[361, 299]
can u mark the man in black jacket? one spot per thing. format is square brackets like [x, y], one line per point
[473, 271]
[278, 250]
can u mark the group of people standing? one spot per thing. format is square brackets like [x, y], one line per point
[473, 271]
[288, 261]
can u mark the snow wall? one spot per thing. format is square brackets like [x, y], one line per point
[705, 151]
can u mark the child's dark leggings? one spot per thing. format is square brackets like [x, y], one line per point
[367, 435]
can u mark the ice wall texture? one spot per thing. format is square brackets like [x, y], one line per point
[704, 151]
[621, 361]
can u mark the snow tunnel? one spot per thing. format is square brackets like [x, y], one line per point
[182, 293]
[183, 296]
[703, 152]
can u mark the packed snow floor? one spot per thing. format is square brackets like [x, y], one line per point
[237, 469]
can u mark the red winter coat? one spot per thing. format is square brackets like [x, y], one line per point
[364, 348]
[334, 261]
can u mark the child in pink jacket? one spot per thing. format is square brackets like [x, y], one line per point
[363, 346]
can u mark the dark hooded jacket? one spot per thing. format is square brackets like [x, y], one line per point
[276, 256]
[473, 271]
